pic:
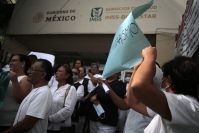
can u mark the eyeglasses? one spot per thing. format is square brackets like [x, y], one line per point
[31, 69]
[14, 60]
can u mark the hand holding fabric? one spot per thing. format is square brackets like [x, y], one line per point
[94, 100]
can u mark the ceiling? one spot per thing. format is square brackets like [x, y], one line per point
[67, 47]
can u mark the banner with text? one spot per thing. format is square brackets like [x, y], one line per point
[127, 44]
[188, 36]
[89, 16]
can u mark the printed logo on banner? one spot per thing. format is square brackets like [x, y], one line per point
[96, 14]
[38, 17]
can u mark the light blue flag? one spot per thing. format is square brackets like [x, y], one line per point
[127, 45]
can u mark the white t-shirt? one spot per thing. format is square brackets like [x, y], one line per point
[60, 113]
[136, 122]
[36, 104]
[185, 116]
[10, 106]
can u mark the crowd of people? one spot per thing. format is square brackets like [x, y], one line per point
[63, 99]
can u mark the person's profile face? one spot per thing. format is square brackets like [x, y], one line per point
[61, 74]
[35, 72]
[15, 63]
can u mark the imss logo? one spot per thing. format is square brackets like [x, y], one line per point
[96, 14]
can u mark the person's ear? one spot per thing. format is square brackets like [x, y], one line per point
[67, 75]
[43, 75]
[168, 80]
[23, 64]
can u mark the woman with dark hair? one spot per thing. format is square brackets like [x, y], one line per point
[64, 99]
[84, 103]
[53, 81]
[174, 110]
[81, 78]
[18, 89]
[93, 75]
[78, 63]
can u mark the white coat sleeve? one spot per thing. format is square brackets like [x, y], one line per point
[80, 92]
[68, 109]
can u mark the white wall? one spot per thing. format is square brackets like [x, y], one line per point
[165, 44]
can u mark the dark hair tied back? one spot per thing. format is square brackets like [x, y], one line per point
[184, 73]
[69, 80]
